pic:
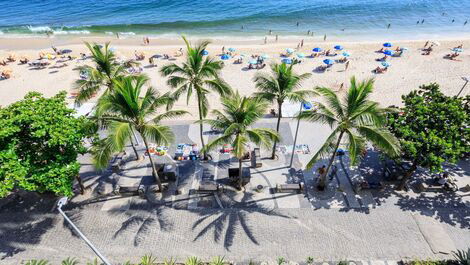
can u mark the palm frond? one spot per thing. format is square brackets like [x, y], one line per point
[381, 138]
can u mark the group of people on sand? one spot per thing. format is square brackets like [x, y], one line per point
[455, 53]
[146, 40]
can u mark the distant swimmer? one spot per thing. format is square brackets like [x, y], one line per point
[388, 26]
[270, 32]
[242, 27]
[417, 22]
[308, 32]
[324, 38]
[465, 23]
[422, 21]
[277, 36]
[297, 24]
[342, 29]
[453, 20]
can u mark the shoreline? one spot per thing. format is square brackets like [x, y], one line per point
[21, 42]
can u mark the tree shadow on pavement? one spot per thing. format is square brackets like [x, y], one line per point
[23, 221]
[444, 206]
[141, 218]
[225, 222]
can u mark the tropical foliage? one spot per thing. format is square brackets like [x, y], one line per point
[123, 110]
[433, 129]
[461, 257]
[106, 68]
[356, 119]
[198, 75]
[236, 121]
[280, 85]
[40, 140]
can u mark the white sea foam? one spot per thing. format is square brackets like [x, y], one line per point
[39, 29]
[66, 32]
[1, 32]
[109, 33]
[130, 33]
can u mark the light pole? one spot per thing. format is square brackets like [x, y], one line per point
[62, 202]
[466, 79]
[306, 106]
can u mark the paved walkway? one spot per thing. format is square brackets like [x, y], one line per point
[339, 224]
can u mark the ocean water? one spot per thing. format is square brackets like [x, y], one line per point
[243, 18]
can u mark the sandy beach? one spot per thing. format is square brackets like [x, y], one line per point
[405, 73]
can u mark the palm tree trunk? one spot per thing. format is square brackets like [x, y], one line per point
[322, 183]
[407, 176]
[201, 129]
[240, 175]
[279, 116]
[154, 170]
[133, 148]
[80, 184]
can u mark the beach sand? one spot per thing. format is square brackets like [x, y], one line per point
[405, 74]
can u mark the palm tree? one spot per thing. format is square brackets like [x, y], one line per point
[124, 110]
[356, 117]
[197, 75]
[240, 114]
[281, 85]
[101, 75]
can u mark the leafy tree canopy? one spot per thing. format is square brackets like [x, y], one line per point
[433, 128]
[40, 140]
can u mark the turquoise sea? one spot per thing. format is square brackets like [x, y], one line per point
[244, 18]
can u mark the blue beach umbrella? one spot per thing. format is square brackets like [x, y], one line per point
[287, 61]
[204, 52]
[289, 50]
[231, 49]
[253, 62]
[387, 52]
[388, 44]
[386, 64]
[225, 57]
[457, 50]
[300, 55]
[316, 50]
[338, 47]
[346, 54]
[328, 61]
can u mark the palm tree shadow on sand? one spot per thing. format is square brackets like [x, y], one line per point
[225, 222]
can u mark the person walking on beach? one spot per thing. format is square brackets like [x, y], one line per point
[223, 49]
[308, 33]
[265, 40]
[270, 32]
[346, 66]
[277, 36]
[302, 43]
[324, 38]
[117, 35]
[388, 26]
